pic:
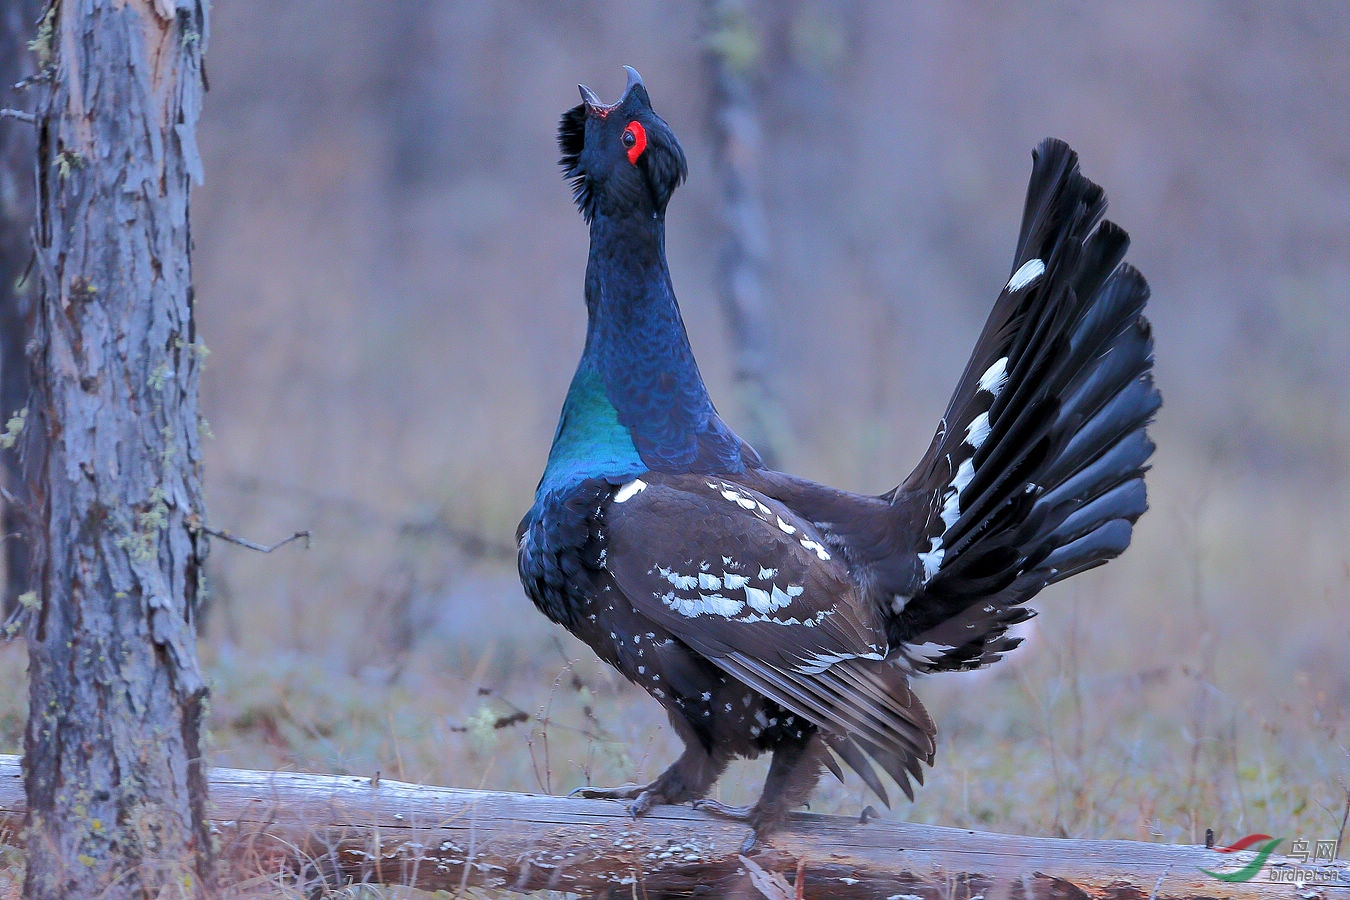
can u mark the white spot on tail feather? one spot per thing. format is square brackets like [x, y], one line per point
[928, 651]
[630, 490]
[932, 560]
[995, 378]
[951, 508]
[964, 473]
[1028, 272]
[978, 430]
[950, 512]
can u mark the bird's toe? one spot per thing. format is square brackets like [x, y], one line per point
[622, 792]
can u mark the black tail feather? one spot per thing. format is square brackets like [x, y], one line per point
[1037, 471]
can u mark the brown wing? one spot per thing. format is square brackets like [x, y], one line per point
[753, 587]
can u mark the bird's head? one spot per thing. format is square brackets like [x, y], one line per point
[622, 158]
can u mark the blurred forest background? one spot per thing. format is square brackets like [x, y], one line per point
[389, 277]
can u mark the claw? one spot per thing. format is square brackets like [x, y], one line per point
[641, 804]
[747, 814]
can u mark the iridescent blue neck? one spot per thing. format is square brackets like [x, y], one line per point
[637, 401]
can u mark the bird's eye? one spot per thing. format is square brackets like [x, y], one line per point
[634, 139]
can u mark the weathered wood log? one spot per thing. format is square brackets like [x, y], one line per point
[340, 829]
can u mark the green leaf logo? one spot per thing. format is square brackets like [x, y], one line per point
[1247, 872]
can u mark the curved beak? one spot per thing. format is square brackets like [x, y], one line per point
[595, 107]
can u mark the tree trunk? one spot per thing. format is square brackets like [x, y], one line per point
[112, 767]
[18, 21]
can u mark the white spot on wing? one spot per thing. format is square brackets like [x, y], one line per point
[708, 582]
[819, 662]
[786, 528]
[703, 604]
[995, 377]
[766, 574]
[734, 582]
[683, 582]
[759, 600]
[820, 550]
[1028, 272]
[630, 490]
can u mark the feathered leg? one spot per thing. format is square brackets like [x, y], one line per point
[793, 772]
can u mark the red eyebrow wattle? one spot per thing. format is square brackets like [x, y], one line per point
[640, 141]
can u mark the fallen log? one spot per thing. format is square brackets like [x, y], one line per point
[335, 830]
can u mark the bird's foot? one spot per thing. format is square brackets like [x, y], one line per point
[642, 795]
[725, 810]
[622, 792]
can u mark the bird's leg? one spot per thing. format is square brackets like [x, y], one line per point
[793, 772]
[688, 778]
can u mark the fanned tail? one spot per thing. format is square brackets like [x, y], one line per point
[1036, 472]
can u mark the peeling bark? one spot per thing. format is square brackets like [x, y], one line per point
[112, 770]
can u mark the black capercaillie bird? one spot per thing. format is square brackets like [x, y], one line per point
[770, 613]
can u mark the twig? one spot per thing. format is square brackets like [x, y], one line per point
[7, 113]
[261, 548]
[1340, 835]
[1158, 884]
